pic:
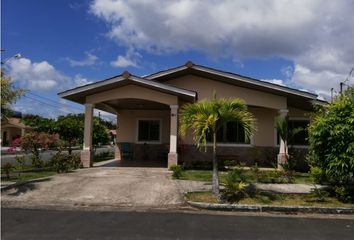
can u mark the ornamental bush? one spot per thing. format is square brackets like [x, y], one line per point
[331, 138]
[63, 163]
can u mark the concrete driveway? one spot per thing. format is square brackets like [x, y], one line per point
[104, 185]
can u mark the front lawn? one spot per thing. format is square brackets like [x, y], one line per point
[267, 198]
[250, 176]
[28, 174]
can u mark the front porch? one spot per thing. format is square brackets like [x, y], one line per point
[147, 118]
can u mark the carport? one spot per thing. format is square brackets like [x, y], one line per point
[147, 116]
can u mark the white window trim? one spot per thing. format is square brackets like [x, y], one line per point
[137, 131]
[294, 119]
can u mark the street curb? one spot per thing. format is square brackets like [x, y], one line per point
[270, 208]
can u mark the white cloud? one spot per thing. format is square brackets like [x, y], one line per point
[36, 75]
[88, 61]
[80, 80]
[123, 61]
[130, 59]
[42, 76]
[275, 81]
[316, 35]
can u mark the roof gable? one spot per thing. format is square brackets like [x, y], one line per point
[79, 94]
[228, 77]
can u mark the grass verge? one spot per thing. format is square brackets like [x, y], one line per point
[267, 198]
[251, 177]
[29, 174]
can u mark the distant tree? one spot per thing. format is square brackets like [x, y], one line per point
[70, 128]
[39, 123]
[9, 94]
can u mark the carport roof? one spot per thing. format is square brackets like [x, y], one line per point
[79, 94]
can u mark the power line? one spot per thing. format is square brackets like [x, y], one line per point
[53, 106]
[59, 103]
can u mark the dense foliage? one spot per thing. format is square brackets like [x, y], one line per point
[331, 138]
[35, 142]
[62, 162]
[9, 94]
[70, 128]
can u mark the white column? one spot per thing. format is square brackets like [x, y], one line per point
[283, 147]
[173, 156]
[117, 154]
[86, 153]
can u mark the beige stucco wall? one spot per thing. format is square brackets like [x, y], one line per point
[206, 87]
[133, 91]
[127, 124]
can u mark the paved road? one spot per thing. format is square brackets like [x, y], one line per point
[51, 224]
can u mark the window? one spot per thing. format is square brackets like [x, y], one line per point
[148, 130]
[232, 132]
[300, 138]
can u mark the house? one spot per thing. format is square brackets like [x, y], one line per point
[147, 113]
[13, 128]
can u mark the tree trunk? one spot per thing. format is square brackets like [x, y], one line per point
[69, 148]
[285, 150]
[215, 187]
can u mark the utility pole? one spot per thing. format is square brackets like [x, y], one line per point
[332, 89]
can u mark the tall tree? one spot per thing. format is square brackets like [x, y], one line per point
[9, 94]
[207, 117]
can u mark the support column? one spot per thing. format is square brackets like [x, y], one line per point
[86, 153]
[172, 155]
[283, 145]
[117, 154]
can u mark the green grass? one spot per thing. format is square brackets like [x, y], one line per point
[273, 199]
[206, 176]
[27, 175]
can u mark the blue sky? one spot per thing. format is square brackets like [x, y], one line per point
[302, 44]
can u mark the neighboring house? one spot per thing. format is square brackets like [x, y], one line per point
[147, 113]
[11, 129]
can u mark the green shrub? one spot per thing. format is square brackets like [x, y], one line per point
[176, 171]
[317, 175]
[235, 187]
[331, 134]
[7, 168]
[344, 193]
[319, 195]
[270, 177]
[64, 163]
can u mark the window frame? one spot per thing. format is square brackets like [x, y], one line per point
[137, 131]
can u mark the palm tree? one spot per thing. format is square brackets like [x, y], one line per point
[205, 118]
[286, 134]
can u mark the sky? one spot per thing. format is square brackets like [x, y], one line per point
[303, 44]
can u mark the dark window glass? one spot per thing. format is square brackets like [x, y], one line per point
[232, 132]
[149, 131]
[299, 138]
